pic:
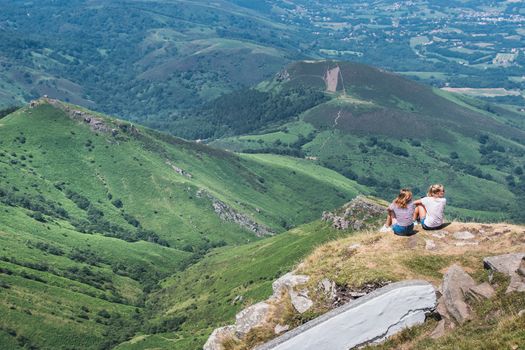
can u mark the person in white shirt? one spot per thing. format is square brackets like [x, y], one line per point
[430, 209]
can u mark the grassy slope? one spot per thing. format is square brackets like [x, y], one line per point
[57, 281]
[205, 291]
[429, 125]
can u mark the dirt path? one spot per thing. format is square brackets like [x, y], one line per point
[336, 120]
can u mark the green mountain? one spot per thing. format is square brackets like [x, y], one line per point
[149, 60]
[95, 211]
[387, 132]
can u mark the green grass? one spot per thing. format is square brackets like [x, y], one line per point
[60, 277]
[205, 291]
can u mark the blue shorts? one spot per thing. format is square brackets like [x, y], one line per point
[403, 230]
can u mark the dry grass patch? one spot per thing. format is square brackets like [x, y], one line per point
[371, 257]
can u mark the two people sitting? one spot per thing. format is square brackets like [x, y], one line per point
[403, 212]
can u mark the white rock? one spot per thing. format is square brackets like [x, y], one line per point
[464, 235]
[218, 336]
[463, 244]
[439, 234]
[280, 328]
[371, 318]
[300, 301]
[251, 317]
[430, 245]
[286, 283]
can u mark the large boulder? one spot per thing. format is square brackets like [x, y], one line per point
[371, 318]
[456, 284]
[287, 284]
[356, 214]
[251, 317]
[510, 265]
[481, 291]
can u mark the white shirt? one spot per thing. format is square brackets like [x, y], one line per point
[435, 207]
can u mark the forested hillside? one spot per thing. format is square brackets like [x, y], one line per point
[389, 132]
[149, 60]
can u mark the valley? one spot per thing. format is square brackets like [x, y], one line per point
[95, 212]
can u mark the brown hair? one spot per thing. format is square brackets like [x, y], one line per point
[434, 189]
[404, 196]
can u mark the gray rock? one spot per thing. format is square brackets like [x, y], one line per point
[286, 283]
[218, 336]
[355, 214]
[251, 317]
[300, 301]
[238, 299]
[340, 223]
[521, 313]
[464, 235]
[482, 291]
[227, 213]
[369, 319]
[439, 331]
[508, 264]
[456, 284]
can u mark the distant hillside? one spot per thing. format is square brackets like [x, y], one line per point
[95, 211]
[386, 132]
[140, 60]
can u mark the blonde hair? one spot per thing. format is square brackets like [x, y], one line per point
[404, 196]
[434, 189]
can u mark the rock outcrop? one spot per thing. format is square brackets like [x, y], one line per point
[287, 285]
[371, 318]
[219, 335]
[227, 213]
[456, 284]
[452, 305]
[96, 123]
[251, 317]
[509, 264]
[358, 214]
[179, 171]
[257, 314]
